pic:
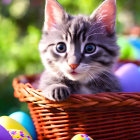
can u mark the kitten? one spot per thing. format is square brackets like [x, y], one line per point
[78, 52]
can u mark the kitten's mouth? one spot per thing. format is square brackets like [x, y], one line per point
[74, 73]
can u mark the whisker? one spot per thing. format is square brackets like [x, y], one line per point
[102, 72]
[85, 66]
[106, 82]
[92, 77]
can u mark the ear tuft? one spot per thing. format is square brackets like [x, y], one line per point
[106, 15]
[54, 14]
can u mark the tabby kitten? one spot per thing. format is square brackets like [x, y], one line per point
[78, 52]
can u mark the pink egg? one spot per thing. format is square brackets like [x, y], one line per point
[129, 77]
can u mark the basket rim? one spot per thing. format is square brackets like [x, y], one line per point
[27, 93]
[137, 62]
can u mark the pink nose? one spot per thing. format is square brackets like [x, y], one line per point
[74, 66]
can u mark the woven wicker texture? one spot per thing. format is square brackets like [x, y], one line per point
[103, 116]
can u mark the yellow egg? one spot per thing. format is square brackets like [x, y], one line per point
[18, 134]
[81, 137]
[9, 123]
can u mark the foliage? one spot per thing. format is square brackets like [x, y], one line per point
[18, 53]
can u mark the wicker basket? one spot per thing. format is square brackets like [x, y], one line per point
[103, 116]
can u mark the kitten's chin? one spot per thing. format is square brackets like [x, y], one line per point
[82, 78]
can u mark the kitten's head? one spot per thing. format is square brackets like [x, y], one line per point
[79, 47]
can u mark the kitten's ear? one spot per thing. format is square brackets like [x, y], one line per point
[54, 14]
[106, 15]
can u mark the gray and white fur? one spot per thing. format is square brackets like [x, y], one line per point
[78, 52]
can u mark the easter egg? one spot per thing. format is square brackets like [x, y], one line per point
[18, 134]
[127, 51]
[136, 44]
[81, 137]
[26, 121]
[129, 77]
[9, 123]
[4, 135]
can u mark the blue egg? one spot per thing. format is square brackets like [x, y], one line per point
[135, 42]
[26, 121]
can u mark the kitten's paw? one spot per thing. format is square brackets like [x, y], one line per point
[57, 93]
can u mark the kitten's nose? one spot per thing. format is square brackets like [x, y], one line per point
[74, 66]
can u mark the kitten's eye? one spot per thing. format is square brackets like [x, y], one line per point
[61, 48]
[90, 48]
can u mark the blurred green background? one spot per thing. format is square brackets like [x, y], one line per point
[20, 31]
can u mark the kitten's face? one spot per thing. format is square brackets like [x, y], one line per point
[79, 48]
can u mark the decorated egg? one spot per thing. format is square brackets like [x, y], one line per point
[9, 123]
[127, 51]
[129, 77]
[136, 44]
[81, 137]
[18, 135]
[26, 121]
[4, 135]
